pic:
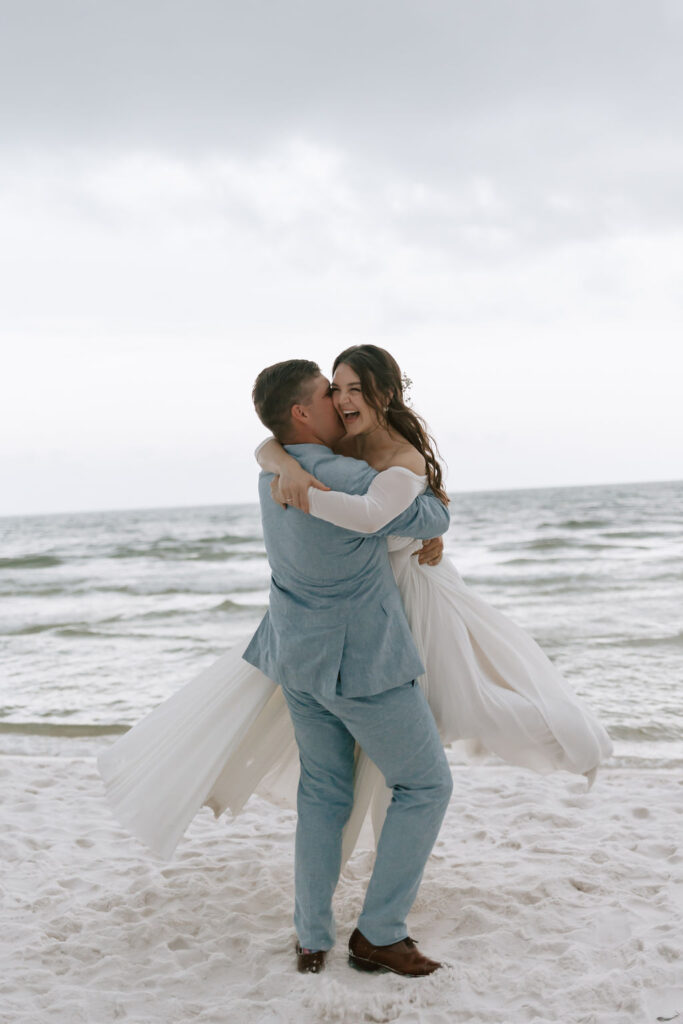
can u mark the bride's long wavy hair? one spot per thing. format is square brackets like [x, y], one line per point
[382, 385]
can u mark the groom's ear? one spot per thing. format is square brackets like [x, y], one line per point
[299, 413]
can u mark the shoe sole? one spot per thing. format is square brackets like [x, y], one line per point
[371, 965]
[365, 965]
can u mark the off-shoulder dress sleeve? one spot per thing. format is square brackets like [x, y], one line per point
[391, 492]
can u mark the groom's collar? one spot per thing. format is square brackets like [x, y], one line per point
[307, 444]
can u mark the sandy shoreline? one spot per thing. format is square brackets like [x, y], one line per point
[550, 903]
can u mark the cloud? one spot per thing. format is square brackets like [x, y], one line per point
[152, 240]
[423, 79]
[492, 190]
[565, 115]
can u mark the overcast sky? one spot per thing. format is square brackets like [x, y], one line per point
[190, 191]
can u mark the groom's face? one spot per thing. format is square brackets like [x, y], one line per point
[323, 417]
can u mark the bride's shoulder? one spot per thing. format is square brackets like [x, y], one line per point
[409, 458]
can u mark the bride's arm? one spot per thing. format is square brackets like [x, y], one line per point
[391, 492]
[294, 482]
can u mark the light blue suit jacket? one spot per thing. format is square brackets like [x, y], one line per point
[335, 613]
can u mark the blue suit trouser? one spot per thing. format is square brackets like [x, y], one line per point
[396, 729]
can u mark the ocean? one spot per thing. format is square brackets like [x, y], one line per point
[103, 614]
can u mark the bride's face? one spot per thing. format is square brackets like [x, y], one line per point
[347, 394]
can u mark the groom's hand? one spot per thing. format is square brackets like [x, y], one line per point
[431, 551]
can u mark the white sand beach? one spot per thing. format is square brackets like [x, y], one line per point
[549, 904]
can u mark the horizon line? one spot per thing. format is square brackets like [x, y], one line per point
[231, 504]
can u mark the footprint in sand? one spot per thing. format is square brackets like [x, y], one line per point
[668, 952]
[582, 885]
[71, 883]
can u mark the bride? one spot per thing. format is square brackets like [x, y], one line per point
[227, 733]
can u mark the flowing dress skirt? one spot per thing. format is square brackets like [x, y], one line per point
[227, 733]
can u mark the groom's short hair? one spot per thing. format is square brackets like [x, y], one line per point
[278, 388]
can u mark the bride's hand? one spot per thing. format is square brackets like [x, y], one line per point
[291, 488]
[431, 551]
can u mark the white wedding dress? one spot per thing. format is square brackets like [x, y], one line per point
[227, 733]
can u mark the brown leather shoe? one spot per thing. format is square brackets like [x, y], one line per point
[310, 961]
[400, 957]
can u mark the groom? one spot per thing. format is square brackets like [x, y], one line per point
[337, 640]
